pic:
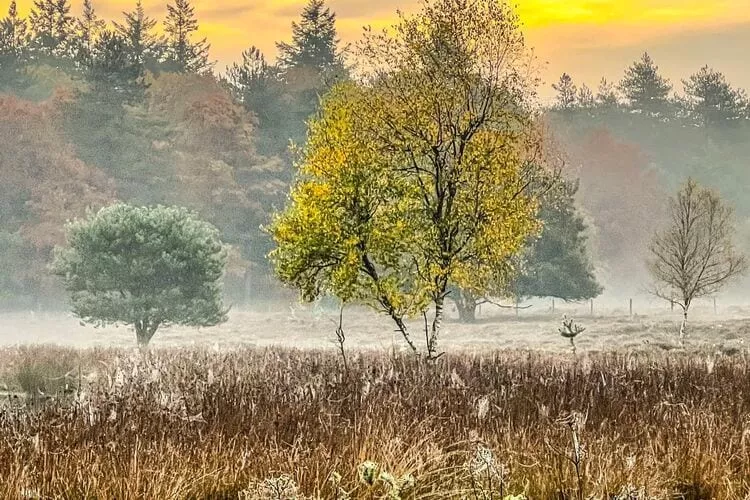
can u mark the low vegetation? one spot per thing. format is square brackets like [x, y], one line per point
[288, 424]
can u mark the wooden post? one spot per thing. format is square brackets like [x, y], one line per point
[592, 307]
[715, 311]
[553, 304]
[631, 308]
[517, 301]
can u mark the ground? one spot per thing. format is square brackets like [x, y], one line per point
[652, 326]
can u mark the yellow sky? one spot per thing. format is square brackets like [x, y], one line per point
[587, 38]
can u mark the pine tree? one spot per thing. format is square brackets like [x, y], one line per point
[115, 78]
[14, 44]
[13, 38]
[566, 92]
[87, 29]
[182, 55]
[586, 97]
[557, 264]
[644, 88]
[314, 42]
[52, 28]
[143, 47]
[710, 100]
[606, 94]
[255, 85]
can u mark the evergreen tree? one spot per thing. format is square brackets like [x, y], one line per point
[567, 93]
[711, 100]
[143, 47]
[52, 28]
[13, 46]
[115, 78]
[182, 55]
[314, 42]
[557, 264]
[644, 88]
[87, 29]
[586, 97]
[606, 94]
[257, 86]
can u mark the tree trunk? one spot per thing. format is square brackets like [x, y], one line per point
[683, 326]
[466, 304]
[432, 340]
[144, 331]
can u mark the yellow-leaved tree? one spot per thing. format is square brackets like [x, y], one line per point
[422, 174]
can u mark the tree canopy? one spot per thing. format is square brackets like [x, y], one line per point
[143, 266]
[422, 177]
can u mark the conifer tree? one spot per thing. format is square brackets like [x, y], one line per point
[314, 41]
[557, 263]
[567, 93]
[711, 100]
[606, 94]
[52, 28]
[586, 97]
[14, 49]
[87, 29]
[183, 55]
[644, 88]
[143, 47]
[13, 40]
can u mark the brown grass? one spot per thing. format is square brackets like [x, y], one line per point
[206, 424]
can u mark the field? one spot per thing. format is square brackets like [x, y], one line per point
[202, 417]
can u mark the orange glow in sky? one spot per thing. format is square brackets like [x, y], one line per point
[586, 38]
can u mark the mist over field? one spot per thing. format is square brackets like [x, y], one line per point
[401, 268]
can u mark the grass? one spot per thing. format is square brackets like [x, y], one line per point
[273, 423]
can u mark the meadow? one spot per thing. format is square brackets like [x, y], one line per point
[652, 420]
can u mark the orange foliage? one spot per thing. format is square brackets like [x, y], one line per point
[43, 183]
[624, 198]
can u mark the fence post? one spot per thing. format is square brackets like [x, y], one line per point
[631, 308]
[592, 307]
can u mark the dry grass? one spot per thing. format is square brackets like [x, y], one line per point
[207, 424]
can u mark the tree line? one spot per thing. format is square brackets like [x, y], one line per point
[124, 113]
[121, 112]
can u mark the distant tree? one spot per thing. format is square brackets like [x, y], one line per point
[256, 86]
[710, 100]
[115, 77]
[88, 28]
[606, 94]
[212, 153]
[52, 28]
[144, 49]
[43, 182]
[567, 92]
[14, 44]
[143, 266]
[644, 88]
[557, 263]
[181, 53]
[694, 255]
[314, 42]
[585, 97]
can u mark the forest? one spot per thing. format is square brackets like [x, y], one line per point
[133, 109]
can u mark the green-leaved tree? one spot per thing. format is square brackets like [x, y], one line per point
[557, 264]
[421, 177]
[143, 266]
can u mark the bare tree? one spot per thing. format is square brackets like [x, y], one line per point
[694, 256]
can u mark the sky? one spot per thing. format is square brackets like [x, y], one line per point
[588, 39]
